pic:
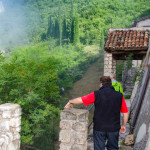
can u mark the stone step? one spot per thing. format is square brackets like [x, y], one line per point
[129, 85]
[121, 147]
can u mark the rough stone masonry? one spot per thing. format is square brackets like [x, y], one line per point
[73, 134]
[109, 64]
[10, 121]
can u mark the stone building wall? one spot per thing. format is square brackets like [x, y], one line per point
[10, 121]
[73, 134]
[142, 126]
[129, 82]
[109, 64]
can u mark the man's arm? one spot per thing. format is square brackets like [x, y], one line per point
[74, 101]
[87, 100]
[124, 122]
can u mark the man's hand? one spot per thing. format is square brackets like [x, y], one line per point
[123, 129]
[74, 101]
[68, 105]
[124, 122]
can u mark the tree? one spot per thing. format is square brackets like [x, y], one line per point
[76, 29]
[56, 29]
[49, 30]
[64, 30]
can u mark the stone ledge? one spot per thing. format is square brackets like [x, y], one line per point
[9, 107]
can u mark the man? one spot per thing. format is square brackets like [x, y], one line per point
[108, 105]
[116, 84]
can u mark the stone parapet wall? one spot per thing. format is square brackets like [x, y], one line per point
[10, 126]
[109, 64]
[73, 133]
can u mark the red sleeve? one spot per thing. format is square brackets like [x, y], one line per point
[88, 99]
[124, 108]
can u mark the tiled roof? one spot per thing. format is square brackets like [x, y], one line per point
[127, 39]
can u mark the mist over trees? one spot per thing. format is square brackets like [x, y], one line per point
[49, 44]
[12, 25]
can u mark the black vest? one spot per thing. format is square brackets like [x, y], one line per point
[107, 109]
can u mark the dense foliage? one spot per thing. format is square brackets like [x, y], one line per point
[36, 78]
[64, 37]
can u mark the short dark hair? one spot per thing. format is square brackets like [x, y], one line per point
[105, 80]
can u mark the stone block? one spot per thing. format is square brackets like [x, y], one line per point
[64, 146]
[9, 135]
[106, 67]
[107, 54]
[106, 73]
[65, 125]
[6, 114]
[18, 129]
[114, 62]
[105, 58]
[83, 117]
[110, 58]
[11, 146]
[109, 66]
[79, 126]
[13, 129]
[78, 147]
[16, 136]
[107, 70]
[106, 63]
[17, 112]
[17, 144]
[2, 140]
[65, 136]
[129, 140]
[80, 138]
[4, 125]
[114, 66]
[15, 122]
[110, 63]
[4, 146]
[6, 138]
[67, 116]
[9, 107]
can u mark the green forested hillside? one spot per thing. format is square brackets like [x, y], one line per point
[71, 21]
[62, 38]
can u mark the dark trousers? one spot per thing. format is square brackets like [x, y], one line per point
[108, 139]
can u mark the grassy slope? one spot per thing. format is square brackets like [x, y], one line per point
[89, 82]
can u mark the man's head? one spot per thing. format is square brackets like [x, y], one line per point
[112, 76]
[105, 80]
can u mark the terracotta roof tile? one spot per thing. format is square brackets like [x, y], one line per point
[127, 39]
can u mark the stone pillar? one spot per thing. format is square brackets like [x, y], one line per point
[114, 63]
[10, 121]
[73, 134]
[109, 64]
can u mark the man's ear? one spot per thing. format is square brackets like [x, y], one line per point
[101, 85]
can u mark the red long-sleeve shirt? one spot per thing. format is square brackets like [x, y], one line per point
[90, 98]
